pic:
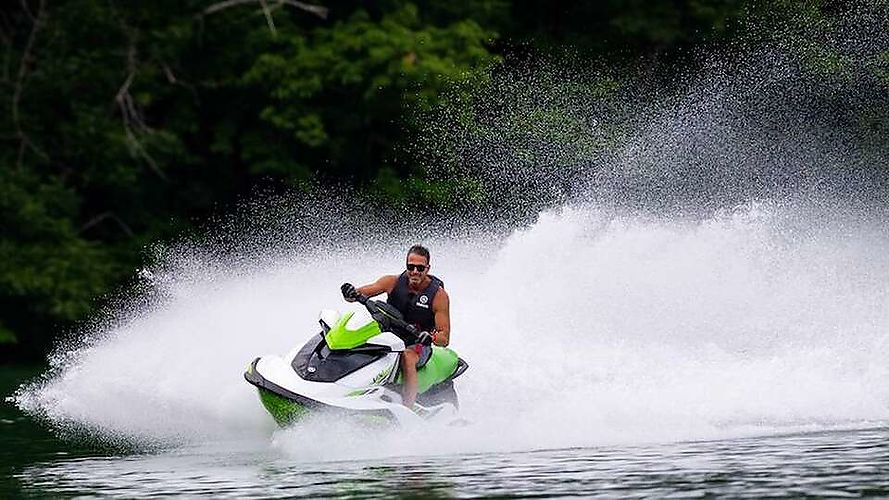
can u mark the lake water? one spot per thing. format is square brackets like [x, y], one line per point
[839, 463]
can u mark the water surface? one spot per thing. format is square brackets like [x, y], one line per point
[851, 462]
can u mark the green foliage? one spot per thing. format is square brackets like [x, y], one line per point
[6, 336]
[48, 273]
[422, 192]
[881, 67]
[378, 66]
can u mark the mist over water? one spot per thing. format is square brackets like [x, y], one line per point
[704, 262]
[785, 111]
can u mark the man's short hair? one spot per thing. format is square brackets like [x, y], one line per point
[421, 251]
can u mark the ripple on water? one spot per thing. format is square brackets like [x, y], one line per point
[836, 464]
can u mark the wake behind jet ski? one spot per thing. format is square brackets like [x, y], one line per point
[353, 367]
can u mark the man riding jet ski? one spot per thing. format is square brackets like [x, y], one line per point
[423, 302]
[354, 366]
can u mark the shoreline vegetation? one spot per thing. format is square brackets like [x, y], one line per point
[124, 125]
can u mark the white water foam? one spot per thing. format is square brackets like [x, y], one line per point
[585, 328]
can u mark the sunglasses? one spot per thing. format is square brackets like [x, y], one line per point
[416, 267]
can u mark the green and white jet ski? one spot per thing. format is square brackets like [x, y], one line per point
[353, 367]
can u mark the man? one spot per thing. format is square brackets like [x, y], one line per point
[421, 298]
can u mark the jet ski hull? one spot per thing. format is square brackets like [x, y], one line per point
[287, 407]
[285, 411]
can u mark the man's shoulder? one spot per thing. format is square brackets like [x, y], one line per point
[441, 297]
[389, 281]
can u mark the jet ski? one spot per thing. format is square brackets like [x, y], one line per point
[352, 367]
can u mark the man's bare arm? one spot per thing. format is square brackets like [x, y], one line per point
[384, 284]
[441, 306]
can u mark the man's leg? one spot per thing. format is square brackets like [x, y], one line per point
[409, 371]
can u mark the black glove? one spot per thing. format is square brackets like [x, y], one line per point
[349, 292]
[424, 338]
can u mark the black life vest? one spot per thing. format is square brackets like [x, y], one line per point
[416, 307]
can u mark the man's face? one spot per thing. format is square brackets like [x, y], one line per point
[414, 275]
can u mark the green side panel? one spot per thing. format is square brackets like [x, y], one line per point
[283, 410]
[440, 366]
[340, 337]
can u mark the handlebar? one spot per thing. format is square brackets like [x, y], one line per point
[376, 312]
